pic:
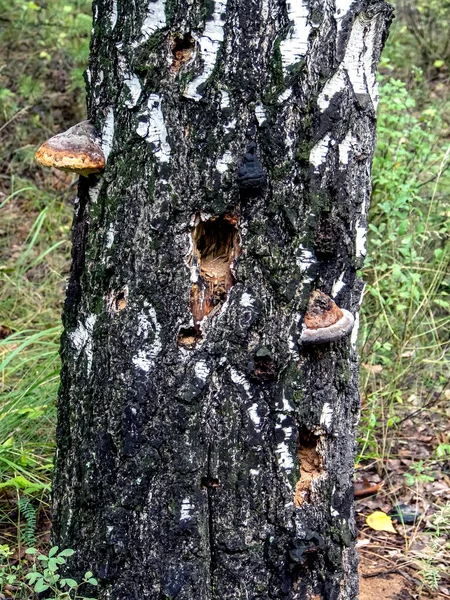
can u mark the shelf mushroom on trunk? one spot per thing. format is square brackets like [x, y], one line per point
[324, 321]
[77, 150]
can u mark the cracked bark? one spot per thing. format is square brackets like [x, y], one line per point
[182, 424]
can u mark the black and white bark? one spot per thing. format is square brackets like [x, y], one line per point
[204, 451]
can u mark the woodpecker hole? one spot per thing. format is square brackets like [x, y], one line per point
[120, 301]
[189, 337]
[210, 483]
[182, 47]
[215, 247]
[310, 466]
[117, 301]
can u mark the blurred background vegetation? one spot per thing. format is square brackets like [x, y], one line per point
[405, 322]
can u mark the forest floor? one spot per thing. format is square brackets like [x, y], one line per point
[412, 560]
[404, 439]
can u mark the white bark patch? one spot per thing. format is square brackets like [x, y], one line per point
[223, 162]
[292, 341]
[240, 380]
[260, 113]
[113, 14]
[355, 330]
[286, 407]
[358, 61]
[282, 450]
[332, 87]
[147, 323]
[94, 191]
[186, 510]
[285, 95]
[110, 236]
[201, 370]
[326, 418]
[361, 235]
[134, 89]
[354, 336]
[209, 46]
[305, 259]
[230, 125]
[345, 147]
[338, 285]
[295, 46]
[247, 301]
[319, 153]
[81, 339]
[359, 55]
[153, 129]
[155, 19]
[108, 133]
[224, 99]
[253, 412]
[342, 8]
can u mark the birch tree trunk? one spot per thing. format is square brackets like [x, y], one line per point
[204, 451]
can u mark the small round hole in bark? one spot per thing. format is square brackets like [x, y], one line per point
[188, 337]
[120, 301]
[264, 367]
[117, 300]
[182, 47]
[210, 483]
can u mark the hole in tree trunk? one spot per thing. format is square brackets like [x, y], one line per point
[189, 336]
[182, 47]
[310, 466]
[118, 301]
[209, 482]
[215, 247]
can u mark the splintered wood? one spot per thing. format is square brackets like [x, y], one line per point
[310, 467]
[215, 247]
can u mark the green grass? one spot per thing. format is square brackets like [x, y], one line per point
[44, 49]
[405, 321]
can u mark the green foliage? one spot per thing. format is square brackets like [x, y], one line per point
[406, 311]
[432, 564]
[43, 576]
[427, 22]
[418, 472]
[28, 513]
[46, 47]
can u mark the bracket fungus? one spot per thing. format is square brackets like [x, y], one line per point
[324, 321]
[76, 150]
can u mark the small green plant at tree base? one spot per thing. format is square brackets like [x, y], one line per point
[419, 474]
[44, 575]
[433, 566]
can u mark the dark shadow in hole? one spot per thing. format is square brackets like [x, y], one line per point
[189, 337]
[216, 245]
[210, 483]
[182, 47]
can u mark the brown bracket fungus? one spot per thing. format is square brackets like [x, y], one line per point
[76, 150]
[324, 321]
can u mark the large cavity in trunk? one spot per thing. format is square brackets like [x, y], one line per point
[215, 247]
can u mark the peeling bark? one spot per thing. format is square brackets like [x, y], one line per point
[204, 451]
